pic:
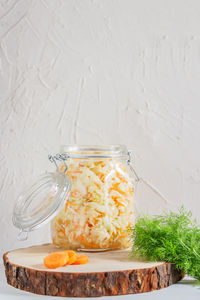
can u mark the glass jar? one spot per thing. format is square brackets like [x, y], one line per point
[89, 199]
[100, 208]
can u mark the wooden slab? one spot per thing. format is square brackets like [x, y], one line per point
[107, 273]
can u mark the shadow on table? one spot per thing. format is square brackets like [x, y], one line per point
[189, 281]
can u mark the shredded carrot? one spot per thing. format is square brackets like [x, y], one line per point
[89, 195]
[72, 203]
[60, 221]
[72, 257]
[97, 184]
[74, 172]
[117, 201]
[123, 235]
[66, 206]
[81, 165]
[75, 193]
[81, 259]
[67, 222]
[96, 163]
[131, 191]
[87, 244]
[129, 224]
[102, 214]
[114, 186]
[121, 177]
[101, 163]
[62, 230]
[76, 226]
[61, 169]
[102, 177]
[56, 260]
[115, 245]
[121, 192]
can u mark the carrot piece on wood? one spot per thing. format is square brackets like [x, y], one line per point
[81, 259]
[56, 260]
[72, 257]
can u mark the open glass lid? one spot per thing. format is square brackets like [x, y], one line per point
[38, 204]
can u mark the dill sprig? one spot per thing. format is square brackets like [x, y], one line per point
[172, 237]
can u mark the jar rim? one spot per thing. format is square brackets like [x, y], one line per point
[98, 151]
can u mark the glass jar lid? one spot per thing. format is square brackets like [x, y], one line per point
[39, 203]
[95, 151]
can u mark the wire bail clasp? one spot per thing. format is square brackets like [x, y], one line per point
[131, 167]
[22, 235]
[59, 157]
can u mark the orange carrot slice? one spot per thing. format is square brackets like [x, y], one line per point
[72, 257]
[56, 260]
[81, 259]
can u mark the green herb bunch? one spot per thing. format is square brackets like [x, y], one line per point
[173, 237]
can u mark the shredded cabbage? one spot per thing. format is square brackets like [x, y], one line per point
[99, 210]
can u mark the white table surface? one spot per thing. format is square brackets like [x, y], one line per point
[183, 290]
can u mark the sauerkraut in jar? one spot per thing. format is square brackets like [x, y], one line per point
[100, 209]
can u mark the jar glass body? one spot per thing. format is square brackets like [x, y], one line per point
[100, 209]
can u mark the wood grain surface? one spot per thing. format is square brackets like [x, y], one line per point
[107, 273]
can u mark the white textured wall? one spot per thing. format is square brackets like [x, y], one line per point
[100, 72]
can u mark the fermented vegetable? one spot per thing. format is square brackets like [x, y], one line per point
[100, 210]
